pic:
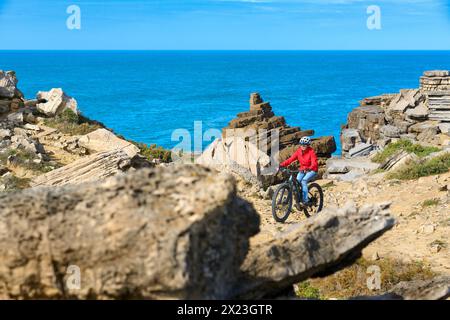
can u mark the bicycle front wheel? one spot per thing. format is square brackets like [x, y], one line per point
[282, 203]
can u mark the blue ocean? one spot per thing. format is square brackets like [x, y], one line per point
[146, 95]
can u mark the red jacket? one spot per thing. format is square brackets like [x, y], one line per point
[307, 159]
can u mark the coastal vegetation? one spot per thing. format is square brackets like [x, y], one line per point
[404, 145]
[68, 122]
[434, 166]
[154, 152]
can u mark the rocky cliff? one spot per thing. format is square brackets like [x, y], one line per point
[419, 115]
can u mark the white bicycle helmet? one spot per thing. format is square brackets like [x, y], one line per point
[305, 141]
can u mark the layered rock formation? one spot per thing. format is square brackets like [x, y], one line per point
[257, 139]
[435, 80]
[420, 115]
[95, 167]
[178, 232]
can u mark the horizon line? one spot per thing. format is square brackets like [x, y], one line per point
[230, 50]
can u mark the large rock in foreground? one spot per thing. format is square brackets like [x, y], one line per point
[177, 232]
[173, 233]
[323, 244]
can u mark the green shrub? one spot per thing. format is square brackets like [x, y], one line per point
[306, 291]
[155, 152]
[430, 203]
[404, 145]
[69, 116]
[438, 165]
[68, 122]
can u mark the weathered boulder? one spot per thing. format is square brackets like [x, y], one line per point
[426, 131]
[350, 138]
[178, 232]
[398, 159]
[429, 136]
[317, 247]
[409, 105]
[8, 84]
[445, 128]
[16, 118]
[104, 140]
[56, 101]
[420, 112]
[235, 150]
[424, 126]
[324, 146]
[390, 131]
[435, 289]
[367, 120]
[95, 167]
[337, 165]
[361, 150]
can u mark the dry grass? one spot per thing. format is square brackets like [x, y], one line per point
[352, 281]
[13, 183]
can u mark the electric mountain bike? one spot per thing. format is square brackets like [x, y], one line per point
[290, 191]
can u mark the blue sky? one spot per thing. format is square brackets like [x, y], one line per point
[225, 24]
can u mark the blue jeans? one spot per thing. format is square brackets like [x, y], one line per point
[303, 179]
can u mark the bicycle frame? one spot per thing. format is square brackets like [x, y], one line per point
[296, 187]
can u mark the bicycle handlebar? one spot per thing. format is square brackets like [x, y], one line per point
[283, 169]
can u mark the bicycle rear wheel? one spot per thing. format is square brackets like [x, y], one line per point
[316, 198]
[282, 203]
